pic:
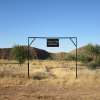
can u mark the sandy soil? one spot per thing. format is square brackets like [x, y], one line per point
[61, 86]
[50, 90]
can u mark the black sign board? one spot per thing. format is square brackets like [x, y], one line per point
[53, 42]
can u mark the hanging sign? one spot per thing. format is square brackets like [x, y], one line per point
[52, 42]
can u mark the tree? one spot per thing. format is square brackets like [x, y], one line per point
[19, 53]
[84, 58]
[97, 52]
[90, 50]
[93, 51]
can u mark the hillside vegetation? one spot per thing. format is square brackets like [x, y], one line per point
[35, 53]
[52, 75]
[88, 55]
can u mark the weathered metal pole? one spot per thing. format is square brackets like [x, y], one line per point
[76, 60]
[28, 58]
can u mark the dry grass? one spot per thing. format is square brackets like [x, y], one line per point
[50, 80]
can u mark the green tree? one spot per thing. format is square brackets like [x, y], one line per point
[84, 58]
[90, 50]
[93, 51]
[97, 52]
[19, 53]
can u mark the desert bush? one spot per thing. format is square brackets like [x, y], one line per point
[92, 65]
[19, 53]
[91, 56]
[70, 57]
[98, 61]
[84, 58]
[40, 75]
[93, 51]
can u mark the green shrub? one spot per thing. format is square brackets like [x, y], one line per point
[70, 57]
[92, 65]
[93, 51]
[19, 53]
[84, 58]
[98, 61]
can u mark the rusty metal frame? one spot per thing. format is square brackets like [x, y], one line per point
[75, 42]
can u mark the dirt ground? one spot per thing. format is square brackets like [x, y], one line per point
[49, 90]
[59, 84]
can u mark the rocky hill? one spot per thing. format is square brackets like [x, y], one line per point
[5, 53]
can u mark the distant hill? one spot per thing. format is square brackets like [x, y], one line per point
[5, 53]
[79, 50]
[60, 55]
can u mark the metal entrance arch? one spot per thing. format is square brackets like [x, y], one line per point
[70, 38]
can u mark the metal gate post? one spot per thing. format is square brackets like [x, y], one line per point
[76, 60]
[28, 58]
